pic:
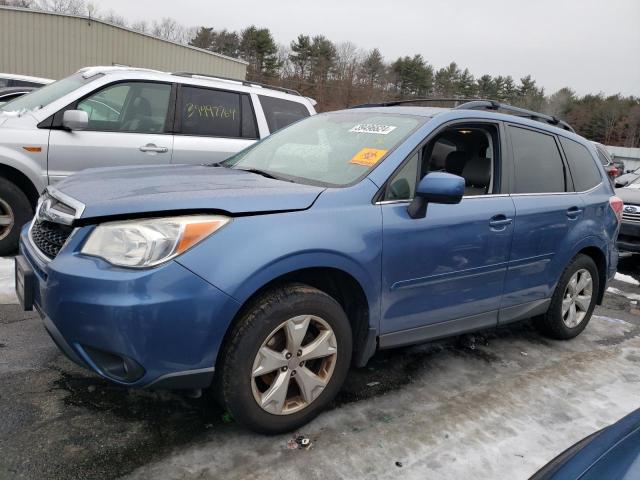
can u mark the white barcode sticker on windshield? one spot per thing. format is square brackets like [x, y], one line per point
[373, 128]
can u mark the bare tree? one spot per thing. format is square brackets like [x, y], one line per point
[169, 29]
[114, 18]
[140, 26]
[70, 7]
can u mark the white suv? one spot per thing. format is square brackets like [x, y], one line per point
[115, 116]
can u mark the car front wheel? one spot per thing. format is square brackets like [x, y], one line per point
[285, 359]
[15, 211]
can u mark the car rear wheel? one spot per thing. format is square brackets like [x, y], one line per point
[573, 301]
[15, 211]
[285, 359]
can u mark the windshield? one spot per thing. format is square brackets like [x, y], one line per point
[333, 149]
[47, 94]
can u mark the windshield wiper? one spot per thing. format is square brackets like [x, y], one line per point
[264, 173]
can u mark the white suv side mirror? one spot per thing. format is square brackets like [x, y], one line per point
[75, 120]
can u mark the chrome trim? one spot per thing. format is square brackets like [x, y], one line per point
[555, 193]
[491, 195]
[77, 205]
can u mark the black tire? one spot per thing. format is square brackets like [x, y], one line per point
[253, 328]
[551, 323]
[13, 199]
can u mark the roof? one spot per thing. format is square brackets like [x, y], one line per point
[104, 22]
[201, 80]
[26, 78]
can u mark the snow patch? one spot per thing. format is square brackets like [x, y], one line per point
[630, 296]
[7, 283]
[621, 277]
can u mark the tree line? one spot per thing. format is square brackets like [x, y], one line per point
[339, 75]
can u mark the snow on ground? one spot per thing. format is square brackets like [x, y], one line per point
[626, 278]
[630, 296]
[7, 292]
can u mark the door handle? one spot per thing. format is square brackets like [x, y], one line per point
[152, 148]
[499, 222]
[573, 212]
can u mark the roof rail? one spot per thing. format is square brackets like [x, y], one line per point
[518, 111]
[394, 103]
[246, 83]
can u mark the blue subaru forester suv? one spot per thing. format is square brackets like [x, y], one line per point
[267, 275]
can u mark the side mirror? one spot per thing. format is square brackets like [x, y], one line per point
[75, 120]
[621, 183]
[436, 187]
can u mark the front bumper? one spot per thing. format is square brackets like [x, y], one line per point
[629, 236]
[161, 326]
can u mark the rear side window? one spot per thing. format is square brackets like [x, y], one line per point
[23, 83]
[280, 113]
[537, 162]
[211, 113]
[584, 170]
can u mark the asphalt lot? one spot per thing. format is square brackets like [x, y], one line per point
[494, 405]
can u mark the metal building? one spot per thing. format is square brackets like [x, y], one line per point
[53, 45]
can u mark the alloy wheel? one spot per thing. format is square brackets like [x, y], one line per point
[6, 219]
[294, 365]
[577, 298]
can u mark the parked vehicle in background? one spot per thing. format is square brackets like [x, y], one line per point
[629, 238]
[115, 116]
[11, 93]
[12, 80]
[612, 453]
[270, 273]
[613, 169]
[627, 178]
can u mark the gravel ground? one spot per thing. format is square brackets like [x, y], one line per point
[494, 405]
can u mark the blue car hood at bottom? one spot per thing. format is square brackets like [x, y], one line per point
[148, 189]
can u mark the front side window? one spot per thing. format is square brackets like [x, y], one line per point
[49, 93]
[333, 149]
[584, 170]
[537, 162]
[136, 107]
[210, 113]
[469, 151]
[281, 113]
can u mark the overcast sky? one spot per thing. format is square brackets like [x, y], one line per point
[588, 45]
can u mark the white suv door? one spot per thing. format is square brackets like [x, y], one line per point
[211, 124]
[127, 126]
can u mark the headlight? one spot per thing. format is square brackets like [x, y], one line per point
[146, 243]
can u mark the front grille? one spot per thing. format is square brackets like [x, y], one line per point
[632, 217]
[49, 237]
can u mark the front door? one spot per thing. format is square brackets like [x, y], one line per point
[126, 127]
[445, 272]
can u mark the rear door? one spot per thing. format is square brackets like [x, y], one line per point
[547, 211]
[212, 124]
[128, 125]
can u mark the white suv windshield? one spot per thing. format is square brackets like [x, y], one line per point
[333, 149]
[47, 94]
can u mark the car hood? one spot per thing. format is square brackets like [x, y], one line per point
[148, 189]
[630, 193]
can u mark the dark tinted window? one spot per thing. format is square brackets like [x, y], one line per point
[23, 83]
[584, 170]
[249, 128]
[212, 113]
[537, 162]
[280, 113]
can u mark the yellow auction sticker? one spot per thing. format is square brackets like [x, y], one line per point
[368, 157]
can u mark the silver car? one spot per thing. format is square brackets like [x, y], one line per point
[116, 116]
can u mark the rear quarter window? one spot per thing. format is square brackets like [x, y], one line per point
[280, 113]
[582, 165]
